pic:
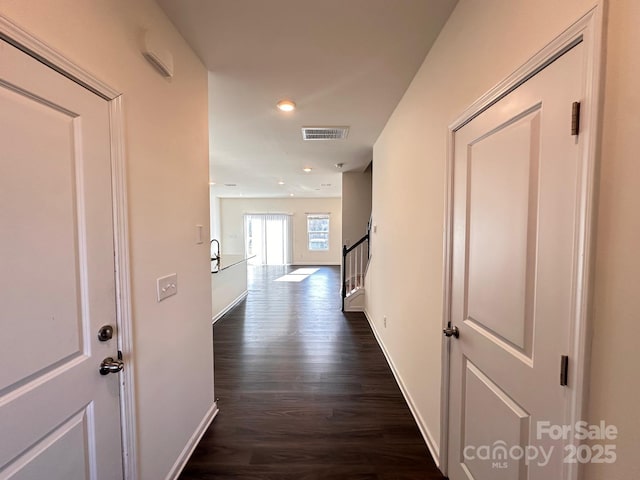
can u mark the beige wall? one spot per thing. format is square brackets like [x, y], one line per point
[232, 212]
[615, 390]
[167, 167]
[482, 43]
[356, 205]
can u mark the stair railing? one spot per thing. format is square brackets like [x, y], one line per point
[355, 260]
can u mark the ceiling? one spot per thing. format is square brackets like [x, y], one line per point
[343, 62]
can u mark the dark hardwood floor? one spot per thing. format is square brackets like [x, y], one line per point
[305, 392]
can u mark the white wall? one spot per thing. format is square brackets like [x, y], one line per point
[482, 43]
[227, 286]
[215, 216]
[356, 205]
[232, 212]
[167, 168]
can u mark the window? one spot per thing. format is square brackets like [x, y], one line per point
[318, 232]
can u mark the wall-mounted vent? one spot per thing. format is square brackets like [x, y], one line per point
[230, 184]
[324, 133]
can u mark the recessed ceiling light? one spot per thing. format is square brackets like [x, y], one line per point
[291, 194]
[286, 106]
[280, 182]
[306, 169]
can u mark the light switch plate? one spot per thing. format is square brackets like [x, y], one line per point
[167, 286]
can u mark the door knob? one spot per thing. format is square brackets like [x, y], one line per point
[109, 365]
[105, 333]
[451, 332]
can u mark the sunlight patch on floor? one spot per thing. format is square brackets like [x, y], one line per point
[291, 278]
[297, 275]
[304, 271]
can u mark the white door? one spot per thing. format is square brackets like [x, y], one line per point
[516, 199]
[59, 417]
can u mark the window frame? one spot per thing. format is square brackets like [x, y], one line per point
[327, 232]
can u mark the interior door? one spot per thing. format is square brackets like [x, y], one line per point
[516, 196]
[59, 417]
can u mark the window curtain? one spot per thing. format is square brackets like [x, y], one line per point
[268, 237]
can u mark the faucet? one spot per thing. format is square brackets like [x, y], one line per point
[216, 257]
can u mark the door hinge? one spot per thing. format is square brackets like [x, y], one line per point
[575, 118]
[564, 370]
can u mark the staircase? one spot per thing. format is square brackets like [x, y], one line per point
[355, 261]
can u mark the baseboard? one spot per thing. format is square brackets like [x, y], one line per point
[191, 445]
[426, 434]
[229, 307]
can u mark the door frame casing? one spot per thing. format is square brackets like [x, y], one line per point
[41, 51]
[589, 30]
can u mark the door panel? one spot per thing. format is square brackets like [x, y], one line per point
[502, 210]
[484, 398]
[41, 179]
[49, 454]
[59, 417]
[515, 200]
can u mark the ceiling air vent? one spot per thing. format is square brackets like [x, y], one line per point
[324, 133]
